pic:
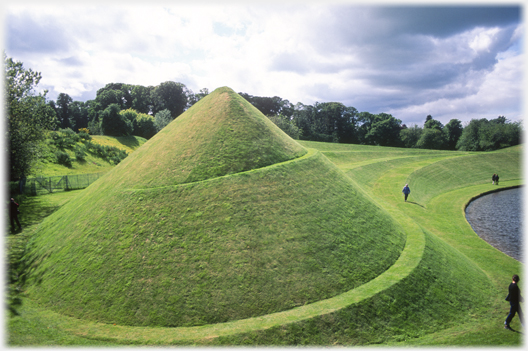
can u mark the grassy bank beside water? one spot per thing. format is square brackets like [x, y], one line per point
[204, 237]
[420, 310]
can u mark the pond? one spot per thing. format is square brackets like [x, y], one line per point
[497, 218]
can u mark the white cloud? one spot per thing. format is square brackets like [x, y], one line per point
[499, 94]
[303, 53]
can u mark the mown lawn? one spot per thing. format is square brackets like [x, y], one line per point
[425, 308]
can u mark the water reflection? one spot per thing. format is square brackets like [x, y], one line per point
[497, 218]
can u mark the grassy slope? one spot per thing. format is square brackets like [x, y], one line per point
[215, 250]
[127, 143]
[458, 281]
[438, 206]
[30, 328]
[397, 316]
[221, 134]
[92, 164]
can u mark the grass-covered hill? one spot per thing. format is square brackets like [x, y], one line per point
[220, 217]
[223, 134]
[446, 288]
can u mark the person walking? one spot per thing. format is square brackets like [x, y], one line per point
[497, 179]
[493, 178]
[515, 299]
[13, 214]
[406, 191]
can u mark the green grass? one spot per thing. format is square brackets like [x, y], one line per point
[324, 243]
[253, 234]
[233, 247]
[222, 134]
[92, 163]
[128, 143]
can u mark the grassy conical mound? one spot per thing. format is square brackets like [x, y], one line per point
[221, 134]
[198, 244]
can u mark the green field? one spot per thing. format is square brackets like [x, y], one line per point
[261, 240]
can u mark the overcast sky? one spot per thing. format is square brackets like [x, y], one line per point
[409, 61]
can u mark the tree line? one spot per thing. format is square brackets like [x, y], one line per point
[124, 109]
[335, 122]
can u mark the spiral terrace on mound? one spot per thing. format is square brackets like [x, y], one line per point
[220, 216]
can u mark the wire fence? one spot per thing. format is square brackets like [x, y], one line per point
[46, 185]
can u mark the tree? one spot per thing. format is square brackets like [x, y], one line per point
[484, 135]
[63, 110]
[411, 135]
[453, 130]
[144, 126]
[114, 93]
[384, 131]
[364, 124]
[328, 121]
[431, 123]
[129, 114]
[338, 121]
[432, 138]
[286, 125]
[28, 117]
[79, 115]
[270, 106]
[161, 119]
[303, 117]
[194, 98]
[113, 123]
[141, 98]
[470, 138]
[170, 95]
[499, 133]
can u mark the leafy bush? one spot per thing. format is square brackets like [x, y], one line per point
[145, 126]
[63, 158]
[80, 153]
[65, 138]
[115, 124]
[162, 118]
[95, 127]
[109, 153]
[84, 136]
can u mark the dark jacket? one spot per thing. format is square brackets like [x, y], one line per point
[514, 294]
[13, 208]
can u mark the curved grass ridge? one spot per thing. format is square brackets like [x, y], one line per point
[216, 218]
[455, 232]
[305, 247]
[405, 264]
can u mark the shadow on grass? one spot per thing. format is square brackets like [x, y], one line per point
[22, 265]
[129, 141]
[34, 209]
[515, 331]
[415, 203]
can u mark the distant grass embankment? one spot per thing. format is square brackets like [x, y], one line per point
[80, 158]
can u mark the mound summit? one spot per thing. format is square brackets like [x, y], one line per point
[220, 216]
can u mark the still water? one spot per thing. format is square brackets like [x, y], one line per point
[497, 218]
